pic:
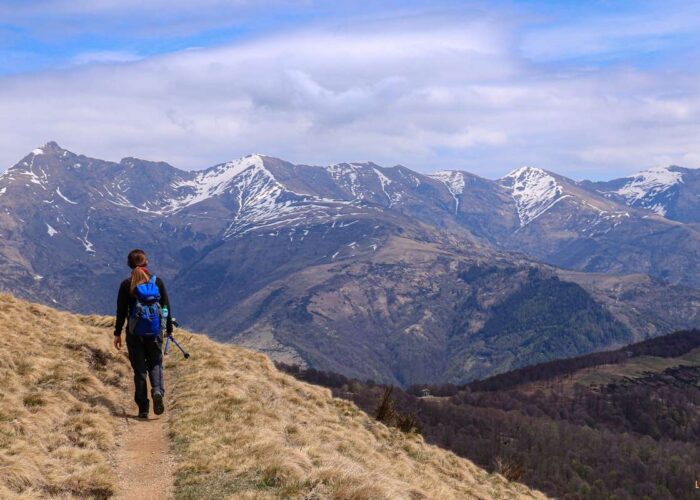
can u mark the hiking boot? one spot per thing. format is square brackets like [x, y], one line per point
[158, 405]
[143, 415]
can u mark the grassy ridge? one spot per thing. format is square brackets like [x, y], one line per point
[238, 427]
[245, 430]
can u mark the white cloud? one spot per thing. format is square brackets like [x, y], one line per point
[436, 93]
[105, 56]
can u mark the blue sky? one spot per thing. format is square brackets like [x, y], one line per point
[590, 89]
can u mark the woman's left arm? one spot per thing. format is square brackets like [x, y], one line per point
[165, 302]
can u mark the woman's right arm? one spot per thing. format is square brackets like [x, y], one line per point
[122, 308]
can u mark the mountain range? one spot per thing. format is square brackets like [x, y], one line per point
[374, 272]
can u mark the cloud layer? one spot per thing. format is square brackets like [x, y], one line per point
[469, 89]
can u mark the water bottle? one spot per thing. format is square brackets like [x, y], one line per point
[164, 312]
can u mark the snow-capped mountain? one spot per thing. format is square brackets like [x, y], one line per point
[84, 208]
[651, 189]
[321, 263]
[672, 192]
[583, 225]
[531, 210]
[534, 191]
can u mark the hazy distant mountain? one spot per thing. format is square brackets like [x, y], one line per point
[370, 271]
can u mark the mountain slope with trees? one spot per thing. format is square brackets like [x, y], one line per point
[620, 424]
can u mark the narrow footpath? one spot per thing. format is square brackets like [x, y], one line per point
[144, 464]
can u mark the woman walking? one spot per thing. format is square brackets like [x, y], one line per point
[143, 303]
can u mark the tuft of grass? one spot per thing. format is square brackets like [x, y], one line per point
[33, 400]
[23, 367]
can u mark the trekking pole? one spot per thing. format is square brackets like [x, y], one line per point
[184, 353]
[170, 337]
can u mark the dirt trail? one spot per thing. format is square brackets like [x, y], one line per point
[145, 467]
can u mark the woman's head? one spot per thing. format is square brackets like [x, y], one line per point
[137, 258]
[139, 274]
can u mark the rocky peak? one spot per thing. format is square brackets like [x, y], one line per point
[454, 181]
[652, 189]
[51, 148]
[534, 190]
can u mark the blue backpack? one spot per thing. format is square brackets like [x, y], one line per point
[145, 320]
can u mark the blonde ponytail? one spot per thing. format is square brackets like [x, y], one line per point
[139, 276]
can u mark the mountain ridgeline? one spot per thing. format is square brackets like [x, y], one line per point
[374, 272]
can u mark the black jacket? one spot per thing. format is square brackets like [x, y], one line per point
[125, 301]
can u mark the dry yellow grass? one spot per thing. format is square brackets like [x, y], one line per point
[242, 429]
[60, 385]
[238, 427]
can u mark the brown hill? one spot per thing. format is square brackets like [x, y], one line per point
[238, 427]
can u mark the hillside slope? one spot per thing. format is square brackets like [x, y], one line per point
[618, 424]
[239, 428]
[62, 394]
[276, 436]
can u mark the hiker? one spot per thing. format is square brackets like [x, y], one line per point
[143, 303]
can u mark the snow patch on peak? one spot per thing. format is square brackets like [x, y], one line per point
[454, 180]
[650, 188]
[359, 180]
[385, 183]
[261, 200]
[382, 178]
[48, 148]
[216, 180]
[340, 168]
[534, 190]
[346, 175]
[49, 229]
[525, 171]
[393, 194]
[64, 197]
[219, 175]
